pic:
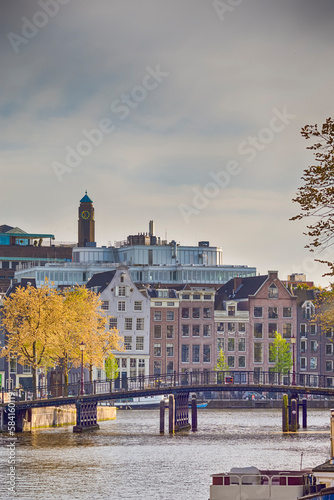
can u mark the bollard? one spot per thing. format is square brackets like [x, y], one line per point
[162, 417]
[294, 415]
[285, 413]
[304, 405]
[194, 413]
[171, 411]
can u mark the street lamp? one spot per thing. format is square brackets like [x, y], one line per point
[82, 346]
[293, 342]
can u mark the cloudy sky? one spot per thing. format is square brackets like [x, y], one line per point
[187, 112]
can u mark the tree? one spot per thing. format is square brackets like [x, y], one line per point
[316, 197]
[31, 317]
[221, 366]
[111, 367]
[280, 354]
[324, 315]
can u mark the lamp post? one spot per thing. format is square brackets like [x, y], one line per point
[293, 342]
[82, 346]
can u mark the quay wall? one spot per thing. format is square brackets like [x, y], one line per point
[57, 416]
[263, 403]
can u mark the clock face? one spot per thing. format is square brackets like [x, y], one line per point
[85, 214]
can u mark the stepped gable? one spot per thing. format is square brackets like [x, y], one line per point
[101, 280]
[238, 289]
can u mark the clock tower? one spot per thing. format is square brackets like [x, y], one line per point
[86, 223]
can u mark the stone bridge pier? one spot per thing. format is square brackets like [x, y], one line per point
[86, 416]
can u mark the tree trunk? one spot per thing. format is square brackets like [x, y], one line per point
[34, 371]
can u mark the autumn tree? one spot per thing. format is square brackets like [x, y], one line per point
[316, 196]
[111, 367]
[221, 366]
[324, 306]
[30, 317]
[280, 354]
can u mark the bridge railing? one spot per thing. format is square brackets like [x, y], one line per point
[221, 379]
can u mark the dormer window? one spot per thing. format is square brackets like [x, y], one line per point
[231, 310]
[273, 291]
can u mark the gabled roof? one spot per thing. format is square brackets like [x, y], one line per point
[16, 230]
[4, 228]
[101, 280]
[245, 287]
[303, 294]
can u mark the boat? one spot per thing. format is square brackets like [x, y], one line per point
[140, 403]
[200, 405]
[255, 484]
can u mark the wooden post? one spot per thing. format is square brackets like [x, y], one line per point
[171, 411]
[332, 433]
[285, 413]
[194, 413]
[162, 417]
[304, 405]
[294, 415]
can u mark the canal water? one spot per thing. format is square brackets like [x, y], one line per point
[129, 459]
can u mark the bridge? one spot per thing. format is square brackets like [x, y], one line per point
[87, 395]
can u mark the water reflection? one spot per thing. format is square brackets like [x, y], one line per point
[127, 458]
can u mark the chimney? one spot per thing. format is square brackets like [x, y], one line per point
[237, 283]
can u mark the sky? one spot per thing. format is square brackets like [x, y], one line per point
[185, 112]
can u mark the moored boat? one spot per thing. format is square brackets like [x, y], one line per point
[140, 403]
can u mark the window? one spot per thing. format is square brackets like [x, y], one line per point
[329, 366]
[123, 362]
[220, 345]
[121, 306]
[303, 363]
[158, 304]
[231, 327]
[241, 361]
[258, 330]
[138, 305]
[329, 333]
[272, 330]
[26, 368]
[303, 330]
[258, 312]
[185, 313]
[196, 353]
[170, 316]
[112, 323]
[105, 305]
[287, 330]
[329, 349]
[242, 327]
[220, 327]
[308, 310]
[230, 344]
[121, 291]
[206, 354]
[196, 330]
[303, 346]
[186, 296]
[157, 350]
[133, 367]
[231, 361]
[127, 323]
[157, 316]
[140, 322]
[170, 304]
[207, 296]
[141, 367]
[272, 312]
[196, 312]
[185, 330]
[273, 291]
[314, 346]
[139, 343]
[170, 367]
[242, 345]
[157, 368]
[258, 352]
[207, 312]
[196, 296]
[170, 350]
[313, 363]
[313, 329]
[231, 310]
[127, 342]
[287, 312]
[206, 330]
[185, 353]
[170, 331]
[157, 332]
